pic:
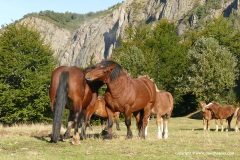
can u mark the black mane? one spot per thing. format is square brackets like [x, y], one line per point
[116, 70]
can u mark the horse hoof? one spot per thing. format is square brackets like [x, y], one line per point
[104, 132]
[108, 136]
[65, 139]
[75, 142]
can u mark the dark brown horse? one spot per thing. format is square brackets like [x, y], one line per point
[207, 116]
[125, 94]
[69, 90]
[163, 108]
[221, 112]
[237, 115]
[99, 109]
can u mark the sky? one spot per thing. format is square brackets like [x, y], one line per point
[11, 10]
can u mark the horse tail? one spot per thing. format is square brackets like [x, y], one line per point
[61, 100]
[235, 113]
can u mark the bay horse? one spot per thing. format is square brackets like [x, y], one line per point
[99, 109]
[221, 112]
[69, 89]
[207, 116]
[163, 108]
[125, 94]
[237, 115]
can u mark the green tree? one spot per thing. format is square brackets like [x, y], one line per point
[169, 55]
[212, 70]
[132, 52]
[25, 72]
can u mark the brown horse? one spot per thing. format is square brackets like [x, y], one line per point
[163, 108]
[207, 115]
[99, 109]
[125, 94]
[219, 112]
[69, 90]
[237, 115]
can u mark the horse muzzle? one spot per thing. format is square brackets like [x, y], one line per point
[88, 77]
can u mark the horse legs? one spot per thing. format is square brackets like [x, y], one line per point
[87, 116]
[221, 122]
[146, 132]
[69, 125]
[216, 122]
[204, 124]
[117, 121]
[236, 126]
[229, 119]
[208, 124]
[107, 132]
[146, 114]
[165, 130]
[76, 136]
[160, 126]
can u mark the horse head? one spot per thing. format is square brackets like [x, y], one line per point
[104, 71]
[203, 105]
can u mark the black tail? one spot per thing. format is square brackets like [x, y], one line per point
[61, 100]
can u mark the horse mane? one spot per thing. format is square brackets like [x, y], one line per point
[116, 70]
[88, 68]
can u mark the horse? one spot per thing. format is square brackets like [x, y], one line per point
[163, 108]
[125, 94]
[237, 115]
[99, 109]
[69, 89]
[207, 115]
[221, 112]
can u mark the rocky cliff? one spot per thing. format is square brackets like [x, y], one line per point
[95, 39]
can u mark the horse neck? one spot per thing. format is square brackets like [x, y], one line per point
[214, 108]
[117, 87]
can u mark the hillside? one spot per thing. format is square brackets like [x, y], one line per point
[92, 39]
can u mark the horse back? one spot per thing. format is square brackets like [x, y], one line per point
[150, 88]
[226, 111]
[163, 103]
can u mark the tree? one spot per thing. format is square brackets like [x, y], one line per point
[25, 71]
[212, 70]
[169, 55]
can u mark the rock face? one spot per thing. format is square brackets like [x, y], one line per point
[95, 39]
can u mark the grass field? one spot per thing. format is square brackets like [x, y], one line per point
[186, 140]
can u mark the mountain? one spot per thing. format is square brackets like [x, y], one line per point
[95, 39]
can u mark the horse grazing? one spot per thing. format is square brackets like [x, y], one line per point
[219, 112]
[99, 109]
[237, 115]
[207, 115]
[125, 94]
[163, 108]
[69, 89]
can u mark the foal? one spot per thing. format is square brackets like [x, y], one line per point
[219, 112]
[163, 109]
[99, 109]
[207, 115]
